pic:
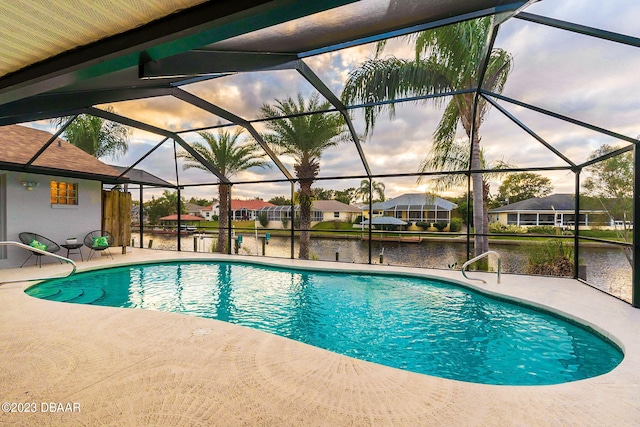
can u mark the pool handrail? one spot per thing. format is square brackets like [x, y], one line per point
[471, 261]
[40, 251]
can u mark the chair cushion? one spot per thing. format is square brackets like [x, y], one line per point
[101, 242]
[38, 245]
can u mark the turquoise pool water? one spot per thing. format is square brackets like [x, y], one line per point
[426, 326]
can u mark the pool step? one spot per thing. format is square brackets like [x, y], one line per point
[64, 294]
[89, 296]
[44, 293]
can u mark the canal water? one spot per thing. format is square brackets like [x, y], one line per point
[607, 267]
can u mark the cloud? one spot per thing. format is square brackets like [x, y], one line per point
[571, 74]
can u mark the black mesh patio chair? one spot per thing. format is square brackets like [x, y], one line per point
[40, 242]
[99, 240]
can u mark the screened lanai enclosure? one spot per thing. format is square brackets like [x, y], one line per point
[497, 108]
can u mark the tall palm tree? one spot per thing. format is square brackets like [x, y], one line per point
[229, 155]
[446, 59]
[304, 137]
[365, 190]
[96, 136]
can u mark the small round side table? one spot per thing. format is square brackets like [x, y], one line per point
[74, 247]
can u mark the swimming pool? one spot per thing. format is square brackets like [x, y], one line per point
[421, 325]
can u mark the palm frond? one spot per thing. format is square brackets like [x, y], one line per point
[227, 152]
[378, 80]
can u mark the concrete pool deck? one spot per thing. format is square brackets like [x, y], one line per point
[138, 367]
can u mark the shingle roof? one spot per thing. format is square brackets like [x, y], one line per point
[20, 143]
[333, 206]
[251, 205]
[414, 201]
[559, 202]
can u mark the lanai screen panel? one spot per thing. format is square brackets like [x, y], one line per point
[573, 75]
[619, 16]
[575, 143]
[166, 112]
[235, 138]
[243, 94]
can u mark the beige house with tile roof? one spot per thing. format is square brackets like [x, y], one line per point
[56, 193]
[321, 210]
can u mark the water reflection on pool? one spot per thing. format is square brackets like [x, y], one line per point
[607, 268]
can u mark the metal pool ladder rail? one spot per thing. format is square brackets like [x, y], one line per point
[471, 261]
[30, 248]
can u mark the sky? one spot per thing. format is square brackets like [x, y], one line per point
[588, 79]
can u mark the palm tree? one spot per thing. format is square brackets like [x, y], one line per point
[446, 59]
[375, 188]
[303, 137]
[229, 155]
[96, 136]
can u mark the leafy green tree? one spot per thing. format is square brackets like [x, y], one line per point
[523, 186]
[304, 137]
[611, 178]
[202, 202]
[346, 196]
[96, 136]
[280, 201]
[462, 209]
[446, 59]
[164, 205]
[320, 193]
[376, 189]
[229, 154]
[610, 183]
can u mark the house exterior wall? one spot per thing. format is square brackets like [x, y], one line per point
[32, 211]
[545, 218]
[417, 216]
[342, 216]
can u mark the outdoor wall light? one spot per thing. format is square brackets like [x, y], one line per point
[30, 184]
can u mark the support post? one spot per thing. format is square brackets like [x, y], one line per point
[576, 233]
[141, 218]
[179, 220]
[635, 279]
[469, 218]
[370, 219]
[293, 216]
[229, 221]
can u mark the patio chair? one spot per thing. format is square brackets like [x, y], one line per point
[98, 240]
[40, 242]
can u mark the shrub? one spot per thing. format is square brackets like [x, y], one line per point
[553, 258]
[216, 217]
[285, 222]
[542, 229]
[440, 225]
[423, 225]
[455, 225]
[263, 219]
[498, 228]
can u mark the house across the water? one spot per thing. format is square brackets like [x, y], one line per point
[556, 210]
[416, 207]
